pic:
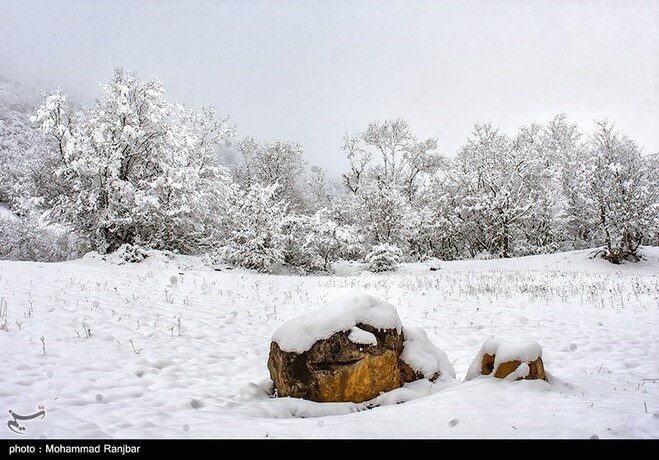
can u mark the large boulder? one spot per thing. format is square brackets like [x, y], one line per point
[351, 349]
[508, 361]
[340, 368]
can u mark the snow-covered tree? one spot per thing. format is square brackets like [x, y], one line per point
[193, 190]
[313, 243]
[652, 164]
[26, 237]
[20, 142]
[322, 190]
[389, 170]
[382, 210]
[134, 168]
[621, 193]
[493, 200]
[255, 240]
[430, 230]
[269, 163]
[389, 153]
[383, 258]
[541, 229]
[566, 163]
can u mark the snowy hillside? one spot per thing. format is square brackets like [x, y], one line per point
[170, 348]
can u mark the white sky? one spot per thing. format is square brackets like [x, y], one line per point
[311, 70]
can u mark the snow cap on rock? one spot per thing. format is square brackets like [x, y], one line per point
[504, 352]
[342, 314]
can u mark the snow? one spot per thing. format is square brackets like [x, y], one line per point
[504, 352]
[423, 356]
[5, 212]
[361, 337]
[138, 376]
[299, 334]
[525, 352]
[522, 371]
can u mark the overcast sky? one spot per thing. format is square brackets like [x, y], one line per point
[310, 70]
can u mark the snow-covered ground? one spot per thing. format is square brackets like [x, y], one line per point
[5, 212]
[170, 348]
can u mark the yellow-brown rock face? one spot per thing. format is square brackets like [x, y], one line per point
[536, 369]
[336, 369]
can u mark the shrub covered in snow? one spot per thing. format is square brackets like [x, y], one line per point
[26, 238]
[129, 253]
[313, 243]
[256, 253]
[383, 257]
[299, 245]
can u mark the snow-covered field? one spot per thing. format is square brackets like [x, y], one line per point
[170, 348]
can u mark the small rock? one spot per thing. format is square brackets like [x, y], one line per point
[501, 359]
